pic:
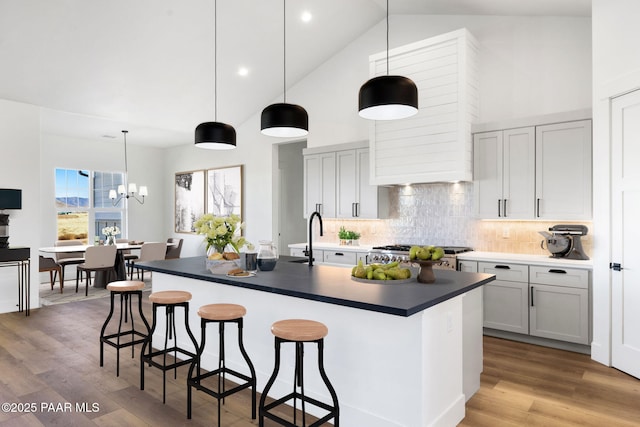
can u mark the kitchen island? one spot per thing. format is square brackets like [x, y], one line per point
[405, 354]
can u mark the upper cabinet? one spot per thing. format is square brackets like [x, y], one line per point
[434, 145]
[504, 167]
[346, 171]
[563, 170]
[320, 184]
[534, 172]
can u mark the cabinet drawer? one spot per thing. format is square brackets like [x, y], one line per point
[296, 252]
[571, 277]
[505, 271]
[340, 257]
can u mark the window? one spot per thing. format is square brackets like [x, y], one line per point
[83, 205]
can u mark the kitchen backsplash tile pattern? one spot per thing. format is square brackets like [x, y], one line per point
[442, 214]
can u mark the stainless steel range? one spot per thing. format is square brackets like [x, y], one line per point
[391, 253]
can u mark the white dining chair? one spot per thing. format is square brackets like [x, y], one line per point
[69, 258]
[148, 252]
[97, 258]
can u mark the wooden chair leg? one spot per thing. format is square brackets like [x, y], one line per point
[51, 278]
[59, 274]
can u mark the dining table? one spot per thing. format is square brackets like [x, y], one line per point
[101, 279]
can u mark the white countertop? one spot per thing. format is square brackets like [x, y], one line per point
[525, 259]
[332, 247]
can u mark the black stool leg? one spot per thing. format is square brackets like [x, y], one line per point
[104, 327]
[146, 343]
[323, 374]
[195, 363]
[272, 379]
[251, 369]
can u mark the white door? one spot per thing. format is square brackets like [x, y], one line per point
[625, 233]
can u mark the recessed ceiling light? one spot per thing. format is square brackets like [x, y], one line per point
[306, 16]
[243, 71]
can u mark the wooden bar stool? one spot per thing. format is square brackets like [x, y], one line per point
[170, 300]
[125, 289]
[299, 331]
[221, 314]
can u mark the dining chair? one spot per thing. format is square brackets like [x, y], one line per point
[149, 252]
[174, 247]
[69, 258]
[97, 258]
[54, 269]
[126, 253]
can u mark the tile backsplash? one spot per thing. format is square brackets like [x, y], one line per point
[442, 214]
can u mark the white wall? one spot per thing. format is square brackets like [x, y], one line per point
[20, 136]
[529, 66]
[616, 69]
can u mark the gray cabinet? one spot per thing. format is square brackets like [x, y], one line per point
[320, 184]
[504, 168]
[506, 299]
[559, 304]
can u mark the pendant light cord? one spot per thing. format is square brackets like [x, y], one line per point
[284, 49]
[387, 37]
[215, 60]
[126, 169]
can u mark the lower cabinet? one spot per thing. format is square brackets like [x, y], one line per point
[559, 304]
[506, 299]
[334, 257]
[541, 301]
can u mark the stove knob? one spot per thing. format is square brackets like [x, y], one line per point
[384, 258]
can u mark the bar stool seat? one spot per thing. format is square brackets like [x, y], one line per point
[299, 331]
[170, 300]
[125, 289]
[221, 314]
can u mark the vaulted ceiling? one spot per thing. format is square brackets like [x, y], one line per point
[147, 65]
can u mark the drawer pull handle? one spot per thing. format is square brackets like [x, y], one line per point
[502, 267]
[532, 296]
[553, 270]
[339, 254]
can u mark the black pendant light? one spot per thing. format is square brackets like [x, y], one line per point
[215, 135]
[388, 97]
[282, 119]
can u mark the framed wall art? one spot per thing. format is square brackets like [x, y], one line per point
[224, 191]
[190, 199]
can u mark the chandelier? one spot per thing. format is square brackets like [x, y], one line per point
[124, 191]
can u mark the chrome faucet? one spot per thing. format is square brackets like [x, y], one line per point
[310, 251]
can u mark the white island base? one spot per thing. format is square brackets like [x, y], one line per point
[387, 370]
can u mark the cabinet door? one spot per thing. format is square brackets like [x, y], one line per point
[320, 184]
[468, 266]
[487, 174]
[370, 203]
[506, 306]
[563, 171]
[560, 313]
[518, 171]
[346, 189]
[340, 257]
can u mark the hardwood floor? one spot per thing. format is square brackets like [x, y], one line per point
[52, 357]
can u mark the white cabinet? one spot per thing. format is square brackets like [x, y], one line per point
[504, 167]
[563, 171]
[559, 304]
[506, 299]
[356, 198]
[320, 184]
[534, 172]
[434, 145]
[340, 257]
[337, 183]
[468, 266]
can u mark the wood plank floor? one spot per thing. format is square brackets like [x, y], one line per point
[52, 357]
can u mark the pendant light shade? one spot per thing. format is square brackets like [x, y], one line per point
[284, 120]
[215, 136]
[388, 98]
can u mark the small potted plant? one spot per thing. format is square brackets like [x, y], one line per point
[348, 237]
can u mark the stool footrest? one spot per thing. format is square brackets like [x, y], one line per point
[148, 358]
[195, 382]
[107, 339]
[264, 411]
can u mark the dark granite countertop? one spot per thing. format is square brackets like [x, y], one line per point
[333, 285]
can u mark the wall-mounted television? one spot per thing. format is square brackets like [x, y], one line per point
[10, 198]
